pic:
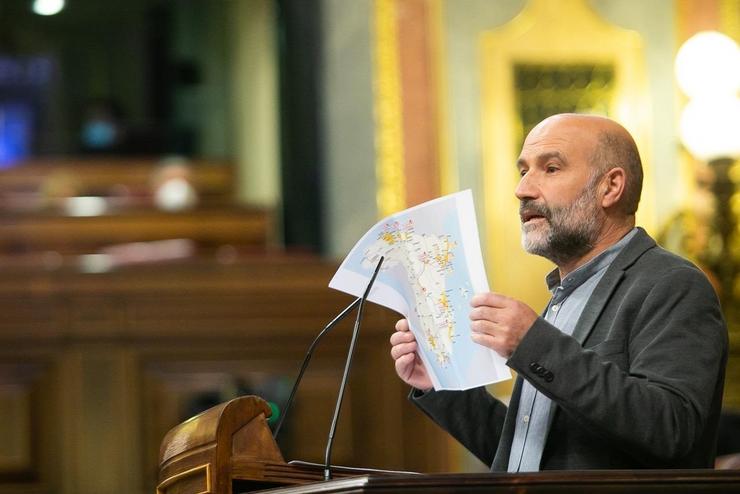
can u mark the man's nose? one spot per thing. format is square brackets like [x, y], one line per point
[526, 189]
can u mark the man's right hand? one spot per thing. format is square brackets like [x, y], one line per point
[409, 366]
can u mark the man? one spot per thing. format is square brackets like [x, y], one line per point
[625, 367]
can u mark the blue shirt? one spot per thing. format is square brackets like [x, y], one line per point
[569, 297]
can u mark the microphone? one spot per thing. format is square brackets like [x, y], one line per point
[307, 359]
[345, 375]
[310, 351]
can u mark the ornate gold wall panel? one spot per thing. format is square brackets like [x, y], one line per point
[411, 120]
[546, 89]
[447, 169]
[391, 194]
[552, 39]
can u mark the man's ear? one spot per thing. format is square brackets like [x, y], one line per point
[612, 187]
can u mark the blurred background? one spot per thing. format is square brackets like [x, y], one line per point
[179, 179]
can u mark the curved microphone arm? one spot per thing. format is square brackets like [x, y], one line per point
[345, 375]
[307, 359]
[358, 301]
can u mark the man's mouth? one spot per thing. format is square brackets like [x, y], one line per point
[531, 216]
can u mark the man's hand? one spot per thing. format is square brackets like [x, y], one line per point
[500, 322]
[409, 366]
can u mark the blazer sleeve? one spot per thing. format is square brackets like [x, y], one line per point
[652, 385]
[473, 417]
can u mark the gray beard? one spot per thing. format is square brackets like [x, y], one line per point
[573, 230]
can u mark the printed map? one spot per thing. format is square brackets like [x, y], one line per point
[432, 266]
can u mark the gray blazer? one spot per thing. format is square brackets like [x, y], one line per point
[638, 385]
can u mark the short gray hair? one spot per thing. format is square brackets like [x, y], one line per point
[614, 150]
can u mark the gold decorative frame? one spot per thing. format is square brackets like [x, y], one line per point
[412, 128]
[448, 173]
[391, 188]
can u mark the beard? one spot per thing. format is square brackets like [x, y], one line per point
[568, 232]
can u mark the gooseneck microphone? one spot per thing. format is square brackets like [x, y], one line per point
[345, 375]
[312, 347]
[307, 359]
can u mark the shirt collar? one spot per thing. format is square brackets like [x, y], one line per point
[577, 277]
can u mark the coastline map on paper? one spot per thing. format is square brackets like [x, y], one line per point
[432, 267]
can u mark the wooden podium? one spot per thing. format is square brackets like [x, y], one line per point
[229, 449]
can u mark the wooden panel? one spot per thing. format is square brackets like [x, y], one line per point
[227, 314]
[125, 355]
[23, 389]
[28, 317]
[209, 227]
[101, 174]
[96, 316]
[15, 428]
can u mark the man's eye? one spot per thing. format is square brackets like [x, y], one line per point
[552, 169]
[522, 172]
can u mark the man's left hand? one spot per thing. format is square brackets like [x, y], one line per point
[500, 322]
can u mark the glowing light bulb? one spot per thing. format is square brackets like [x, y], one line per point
[710, 127]
[708, 63]
[47, 7]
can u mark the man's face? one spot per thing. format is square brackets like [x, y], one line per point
[564, 232]
[559, 210]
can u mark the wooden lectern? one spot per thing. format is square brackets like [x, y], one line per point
[228, 444]
[229, 449]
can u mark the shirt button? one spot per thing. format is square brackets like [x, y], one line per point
[555, 308]
[525, 419]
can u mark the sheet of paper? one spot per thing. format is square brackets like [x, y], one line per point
[432, 267]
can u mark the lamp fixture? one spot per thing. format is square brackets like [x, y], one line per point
[47, 7]
[708, 72]
[708, 63]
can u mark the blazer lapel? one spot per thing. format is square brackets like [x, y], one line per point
[609, 282]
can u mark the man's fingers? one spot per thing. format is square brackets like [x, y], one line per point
[399, 337]
[398, 351]
[402, 325]
[484, 313]
[499, 322]
[403, 346]
[485, 340]
[489, 299]
[405, 365]
[482, 326]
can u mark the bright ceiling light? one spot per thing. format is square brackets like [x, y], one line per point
[708, 63]
[47, 7]
[710, 127]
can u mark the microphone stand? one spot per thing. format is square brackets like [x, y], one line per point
[307, 359]
[312, 347]
[345, 375]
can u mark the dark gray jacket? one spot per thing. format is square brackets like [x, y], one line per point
[638, 385]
